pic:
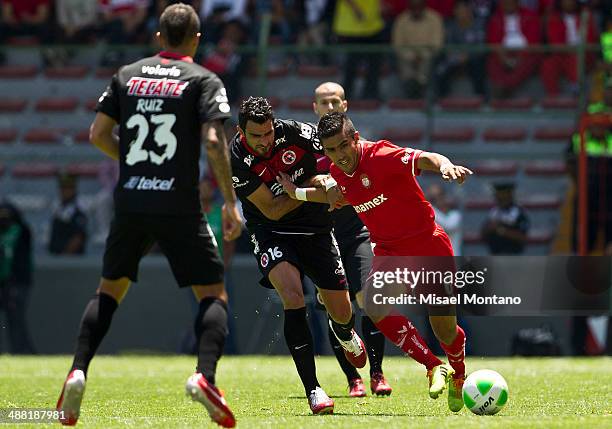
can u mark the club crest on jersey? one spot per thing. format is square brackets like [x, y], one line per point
[288, 157]
[264, 260]
[365, 181]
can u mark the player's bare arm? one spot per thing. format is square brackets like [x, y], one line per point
[326, 193]
[272, 207]
[439, 163]
[101, 135]
[213, 134]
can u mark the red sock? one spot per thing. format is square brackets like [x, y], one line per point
[403, 334]
[456, 353]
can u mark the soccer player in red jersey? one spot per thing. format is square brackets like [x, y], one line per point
[379, 180]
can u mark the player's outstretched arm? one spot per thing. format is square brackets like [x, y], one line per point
[327, 192]
[101, 135]
[439, 163]
[213, 135]
[272, 207]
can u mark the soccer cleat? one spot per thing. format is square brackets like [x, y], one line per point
[439, 377]
[354, 349]
[455, 394]
[379, 385]
[69, 402]
[319, 402]
[356, 388]
[212, 398]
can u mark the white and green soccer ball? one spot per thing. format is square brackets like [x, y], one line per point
[485, 392]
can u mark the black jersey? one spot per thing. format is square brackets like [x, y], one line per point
[294, 153]
[160, 103]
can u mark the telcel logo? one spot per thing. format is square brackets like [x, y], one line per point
[145, 184]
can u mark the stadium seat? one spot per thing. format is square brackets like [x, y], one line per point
[461, 103]
[545, 202]
[300, 103]
[399, 135]
[472, 237]
[507, 135]
[545, 168]
[57, 104]
[91, 104]
[2, 169]
[67, 72]
[18, 71]
[553, 134]
[278, 72]
[365, 105]
[559, 103]
[43, 135]
[105, 72]
[82, 136]
[534, 237]
[519, 103]
[453, 135]
[496, 168]
[308, 71]
[479, 203]
[12, 105]
[83, 169]
[275, 102]
[405, 104]
[7, 135]
[23, 41]
[34, 170]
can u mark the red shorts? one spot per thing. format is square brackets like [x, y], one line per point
[436, 244]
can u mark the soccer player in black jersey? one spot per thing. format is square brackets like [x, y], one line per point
[356, 253]
[166, 107]
[291, 238]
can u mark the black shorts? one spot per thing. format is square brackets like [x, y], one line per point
[187, 242]
[356, 254]
[314, 255]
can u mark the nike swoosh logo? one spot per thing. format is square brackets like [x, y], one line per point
[263, 171]
[374, 332]
[300, 347]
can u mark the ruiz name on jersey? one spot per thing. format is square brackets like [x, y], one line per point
[294, 153]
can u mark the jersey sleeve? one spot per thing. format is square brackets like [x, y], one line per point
[244, 181]
[213, 103]
[399, 160]
[108, 103]
[304, 135]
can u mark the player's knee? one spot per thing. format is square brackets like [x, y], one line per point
[216, 290]
[114, 288]
[291, 295]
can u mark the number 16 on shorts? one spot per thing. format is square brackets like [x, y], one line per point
[272, 254]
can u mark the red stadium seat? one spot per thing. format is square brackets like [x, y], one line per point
[300, 103]
[84, 169]
[18, 72]
[307, 70]
[23, 41]
[405, 104]
[2, 169]
[365, 105]
[34, 170]
[535, 202]
[43, 135]
[553, 134]
[479, 203]
[57, 104]
[12, 105]
[67, 72]
[504, 134]
[472, 237]
[7, 135]
[91, 104]
[545, 168]
[461, 103]
[560, 103]
[82, 136]
[275, 102]
[398, 135]
[453, 135]
[278, 72]
[519, 103]
[105, 72]
[496, 168]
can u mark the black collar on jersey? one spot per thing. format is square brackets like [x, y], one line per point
[175, 56]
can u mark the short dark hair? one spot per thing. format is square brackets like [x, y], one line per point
[256, 109]
[178, 22]
[332, 123]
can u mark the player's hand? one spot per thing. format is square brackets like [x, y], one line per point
[285, 181]
[458, 173]
[317, 181]
[231, 220]
[335, 199]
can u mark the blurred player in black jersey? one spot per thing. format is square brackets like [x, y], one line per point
[292, 238]
[356, 253]
[166, 107]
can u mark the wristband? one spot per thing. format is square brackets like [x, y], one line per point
[300, 194]
[330, 183]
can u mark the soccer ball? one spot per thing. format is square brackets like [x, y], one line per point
[485, 392]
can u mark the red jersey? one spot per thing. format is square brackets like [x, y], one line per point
[385, 193]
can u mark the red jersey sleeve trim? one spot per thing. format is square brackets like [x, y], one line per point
[416, 171]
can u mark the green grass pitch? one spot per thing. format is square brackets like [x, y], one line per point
[265, 392]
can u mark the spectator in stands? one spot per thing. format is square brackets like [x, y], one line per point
[76, 20]
[512, 29]
[15, 276]
[563, 29]
[505, 229]
[215, 14]
[25, 18]
[417, 35]
[69, 222]
[360, 22]
[464, 29]
[447, 216]
[124, 21]
[312, 19]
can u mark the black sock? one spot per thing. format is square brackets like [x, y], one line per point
[348, 369]
[343, 332]
[94, 325]
[375, 343]
[299, 341]
[211, 330]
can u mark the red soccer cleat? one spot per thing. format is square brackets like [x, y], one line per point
[69, 402]
[320, 403]
[212, 398]
[379, 385]
[356, 388]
